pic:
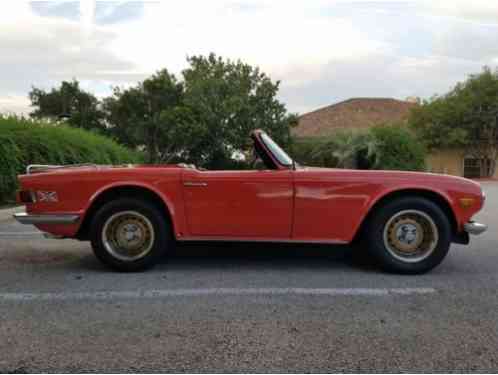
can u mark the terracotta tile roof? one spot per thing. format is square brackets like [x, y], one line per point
[350, 114]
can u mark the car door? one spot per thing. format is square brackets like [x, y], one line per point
[239, 204]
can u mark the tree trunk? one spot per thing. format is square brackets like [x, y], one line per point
[492, 167]
[151, 151]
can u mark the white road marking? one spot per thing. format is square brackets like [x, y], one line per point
[18, 233]
[103, 295]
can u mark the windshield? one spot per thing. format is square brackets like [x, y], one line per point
[275, 149]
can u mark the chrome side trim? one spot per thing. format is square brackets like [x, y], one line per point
[39, 167]
[195, 184]
[25, 218]
[474, 228]
[34, 168]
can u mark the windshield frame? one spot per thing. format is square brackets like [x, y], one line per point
[279, 155]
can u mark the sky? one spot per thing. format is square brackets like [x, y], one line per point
[322, 51]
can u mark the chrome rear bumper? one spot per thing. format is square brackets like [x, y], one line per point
[474, 228]
[25, 218]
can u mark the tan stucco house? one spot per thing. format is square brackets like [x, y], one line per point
[357, 113]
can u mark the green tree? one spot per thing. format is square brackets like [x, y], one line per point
[466, 117]
[225, 101]
[68, 103]
[150, 116]
[205, 118]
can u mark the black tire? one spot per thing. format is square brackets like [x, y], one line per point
[380, 238]
[159, 241]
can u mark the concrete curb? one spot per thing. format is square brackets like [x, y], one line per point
[6, 213]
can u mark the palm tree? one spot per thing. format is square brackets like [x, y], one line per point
[348, 148]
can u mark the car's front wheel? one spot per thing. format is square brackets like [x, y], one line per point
[409, 235]
[129, 234]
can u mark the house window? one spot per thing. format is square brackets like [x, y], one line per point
[472, 167]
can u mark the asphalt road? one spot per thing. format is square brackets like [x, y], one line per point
[241, 308]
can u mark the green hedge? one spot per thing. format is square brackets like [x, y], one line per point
[24, 142]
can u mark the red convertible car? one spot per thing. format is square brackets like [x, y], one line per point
[134, 214]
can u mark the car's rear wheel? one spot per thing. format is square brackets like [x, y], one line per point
[130, 235]
[409, 235]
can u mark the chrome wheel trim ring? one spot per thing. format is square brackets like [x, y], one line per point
[410, 236]
[128, 235]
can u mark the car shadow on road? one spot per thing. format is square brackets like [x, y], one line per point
[196, 256]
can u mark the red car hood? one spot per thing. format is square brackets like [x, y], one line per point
[400, 176]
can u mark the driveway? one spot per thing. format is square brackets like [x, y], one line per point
[250, 308]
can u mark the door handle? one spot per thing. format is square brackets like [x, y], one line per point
[195, 184]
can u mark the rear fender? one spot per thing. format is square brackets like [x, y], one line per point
[172, 211]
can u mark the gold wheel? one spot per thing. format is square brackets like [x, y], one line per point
[410, 236]
[128, 235]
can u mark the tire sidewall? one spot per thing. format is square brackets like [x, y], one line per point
[376, 235]
[162, 236]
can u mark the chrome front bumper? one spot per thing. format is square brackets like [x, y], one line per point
[474, 228]
[25, 218]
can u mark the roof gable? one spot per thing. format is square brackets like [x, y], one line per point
[352, 114]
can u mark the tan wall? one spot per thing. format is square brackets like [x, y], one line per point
[448, 162]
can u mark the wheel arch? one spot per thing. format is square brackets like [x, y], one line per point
[436, 197]
[116, 191]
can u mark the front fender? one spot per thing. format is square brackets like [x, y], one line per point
[442, 198]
